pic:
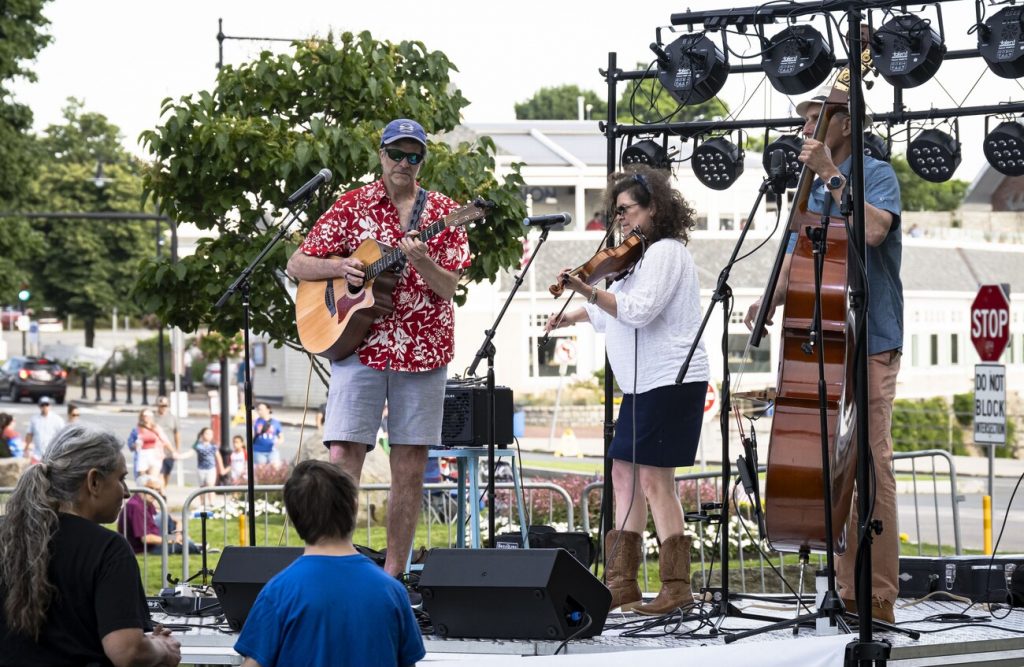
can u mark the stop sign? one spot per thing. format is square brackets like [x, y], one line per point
[990, 322]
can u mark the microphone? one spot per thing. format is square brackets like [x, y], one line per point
[547, 220]
[778, 172]
[322, 176]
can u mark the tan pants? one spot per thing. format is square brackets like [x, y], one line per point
[885, 549]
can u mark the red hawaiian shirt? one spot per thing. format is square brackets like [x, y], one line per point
[420, 334]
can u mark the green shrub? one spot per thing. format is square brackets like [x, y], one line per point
[926, 424]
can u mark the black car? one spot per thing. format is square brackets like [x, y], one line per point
[34, 377]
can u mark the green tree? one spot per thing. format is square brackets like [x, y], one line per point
[87, 267]
[921, 195]
[561, 103]
[224, 160]
[647, 101]
[21, 38]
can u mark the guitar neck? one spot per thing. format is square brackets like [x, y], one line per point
[396, 255]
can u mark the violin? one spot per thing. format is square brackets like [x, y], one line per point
[612, 263]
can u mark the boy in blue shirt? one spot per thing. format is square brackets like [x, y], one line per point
[332, 606]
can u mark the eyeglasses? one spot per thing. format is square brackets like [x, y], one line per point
[398, 155]
[620, 211]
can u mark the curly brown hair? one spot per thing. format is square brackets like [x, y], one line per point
[673, 216]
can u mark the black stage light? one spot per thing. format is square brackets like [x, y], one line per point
[717, 163]
[647, 152]
[1004, 148]
[906, 51]
[934, 155]
[877, 147]
[790, 145]
[1001, 42]
[797, 60]
[692, 69]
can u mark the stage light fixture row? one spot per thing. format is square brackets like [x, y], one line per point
[717, 163]
[1004, 148]
[934, 155]
[1001, 42]
[907, 51]
[790, 145]
[797, 60]
[693, 69]
[877, 147]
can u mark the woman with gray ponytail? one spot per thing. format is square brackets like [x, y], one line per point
[70, 589]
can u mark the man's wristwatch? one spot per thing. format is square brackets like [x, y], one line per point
[592, 299]
[835, 182]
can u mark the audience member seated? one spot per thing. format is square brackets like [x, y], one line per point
[139, 522]
[332, 606]
[71, 590]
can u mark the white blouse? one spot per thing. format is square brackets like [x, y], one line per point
[659, 303]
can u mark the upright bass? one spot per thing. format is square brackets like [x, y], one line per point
[795, 518]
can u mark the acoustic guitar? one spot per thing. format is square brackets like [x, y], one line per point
[333, 318]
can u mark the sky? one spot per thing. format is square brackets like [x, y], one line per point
[123, 57]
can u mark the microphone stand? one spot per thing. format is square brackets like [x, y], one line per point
[487, 350]
[242, 283]
[776, 182]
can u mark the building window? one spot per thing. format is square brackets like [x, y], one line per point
[934, 356]
[759, 360]
[914, 361]
[542, 359]
[954, 349]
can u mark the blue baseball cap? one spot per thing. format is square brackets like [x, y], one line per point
[403, 128]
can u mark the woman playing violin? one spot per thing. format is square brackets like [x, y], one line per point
[649, 318]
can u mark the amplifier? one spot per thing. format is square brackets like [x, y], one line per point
[979, 578]
[464, 423]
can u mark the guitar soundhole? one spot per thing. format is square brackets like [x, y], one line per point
[329, 299]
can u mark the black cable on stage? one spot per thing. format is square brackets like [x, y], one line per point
[995, 550]
[587, 622]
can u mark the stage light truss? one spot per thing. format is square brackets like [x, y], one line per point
[1001, 42]
[797, 60]
[907, 51]
[717, 163]
[790, 146]
[934, 155]
[692, 69]
[1004, 147]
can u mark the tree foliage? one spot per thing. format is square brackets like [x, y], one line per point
[225, 158]
[86, 268]
[561, 103]
[921, 195]
[21, 37]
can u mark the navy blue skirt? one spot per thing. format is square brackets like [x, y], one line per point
[668, 421]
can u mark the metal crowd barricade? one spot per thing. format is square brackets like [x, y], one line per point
[224, 491]
[739, 535]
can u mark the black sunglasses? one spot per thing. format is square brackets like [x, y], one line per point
[398, 155]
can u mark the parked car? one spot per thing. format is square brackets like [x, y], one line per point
[34, 377]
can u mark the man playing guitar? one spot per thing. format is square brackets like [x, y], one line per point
[403, 361]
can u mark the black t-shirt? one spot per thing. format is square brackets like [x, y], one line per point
[99, 590]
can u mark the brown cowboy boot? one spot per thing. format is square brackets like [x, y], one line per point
[674, 565]
[622, 561]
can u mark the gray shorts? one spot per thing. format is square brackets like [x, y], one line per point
[355, 404]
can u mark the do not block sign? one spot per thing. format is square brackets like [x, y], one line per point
[990, 404]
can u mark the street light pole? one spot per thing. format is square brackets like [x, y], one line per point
[162, 372]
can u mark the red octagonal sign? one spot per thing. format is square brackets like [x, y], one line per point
[990, 322]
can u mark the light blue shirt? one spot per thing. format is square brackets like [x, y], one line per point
[885, 288]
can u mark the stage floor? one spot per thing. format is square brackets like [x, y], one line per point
[997, 641]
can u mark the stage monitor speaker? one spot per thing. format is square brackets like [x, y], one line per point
[241, 574]
[512, 594]
[464, 423]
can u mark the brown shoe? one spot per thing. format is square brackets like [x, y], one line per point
[881, 610]
[622, 550]
[674, 565]
[851, 606]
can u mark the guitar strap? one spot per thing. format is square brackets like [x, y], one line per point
[414, 224]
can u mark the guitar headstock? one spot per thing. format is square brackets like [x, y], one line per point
[841, 88]
[475, 210]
